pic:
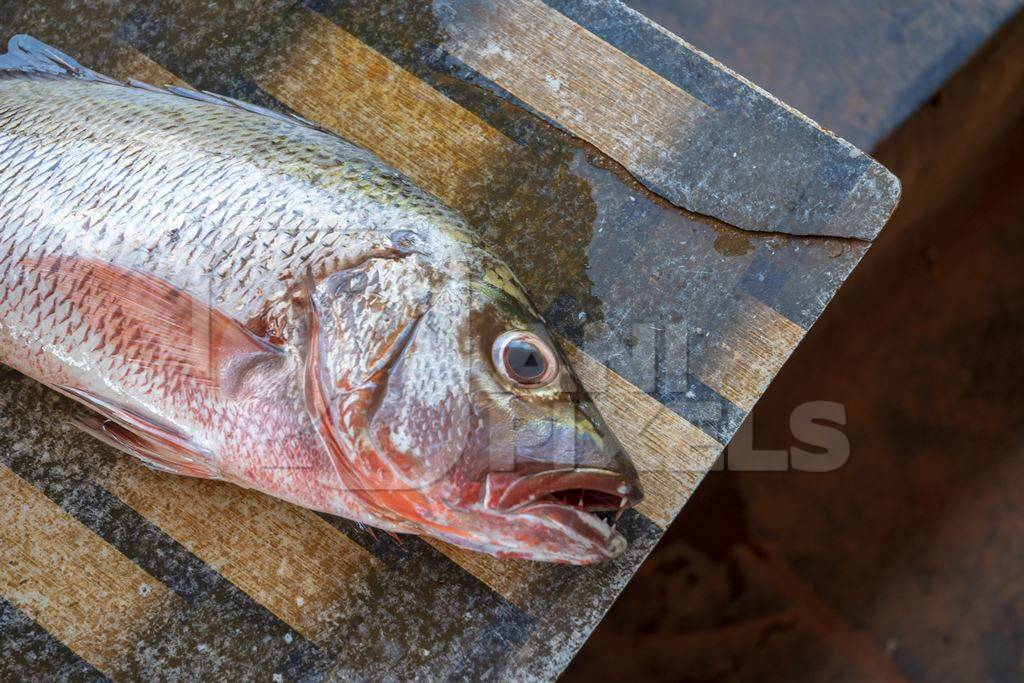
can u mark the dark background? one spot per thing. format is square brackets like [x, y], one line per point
[906, 563]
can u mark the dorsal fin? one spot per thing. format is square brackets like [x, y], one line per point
[223, 100]
[27, 55]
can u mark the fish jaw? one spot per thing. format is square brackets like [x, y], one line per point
[541, 502]
[558, 507]
[549, 530]
[545, 516]
[577, 536]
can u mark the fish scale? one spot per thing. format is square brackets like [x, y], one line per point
[138, 203]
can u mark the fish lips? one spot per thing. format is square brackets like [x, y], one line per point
[563, 502]
[570, 535]
[597, 489]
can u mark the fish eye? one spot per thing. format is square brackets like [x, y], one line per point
[524, 359]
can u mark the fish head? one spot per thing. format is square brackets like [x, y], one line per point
[541, 461]
[476, 430]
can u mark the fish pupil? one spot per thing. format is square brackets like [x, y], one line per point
[524, 361]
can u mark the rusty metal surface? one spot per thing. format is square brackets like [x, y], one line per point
[693, 314]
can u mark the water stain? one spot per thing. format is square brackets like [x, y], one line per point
[732, 243]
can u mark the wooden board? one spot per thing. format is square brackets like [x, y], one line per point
[581, 160]
[854, 574]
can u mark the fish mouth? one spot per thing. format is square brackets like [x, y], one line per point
[584, 488]
[576, 500]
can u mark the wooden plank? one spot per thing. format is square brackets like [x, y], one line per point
[29, 648]
[573, 77]
[284, 557]
[130, 63]
[748, 158]
[512, 579]
[72, 582]
[330, 77]
[750, 349]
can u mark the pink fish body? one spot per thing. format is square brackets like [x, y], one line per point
[238, 295]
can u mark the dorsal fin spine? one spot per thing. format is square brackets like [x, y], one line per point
[27, 55]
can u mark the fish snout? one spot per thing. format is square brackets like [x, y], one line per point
[599, 476]
[598, 448]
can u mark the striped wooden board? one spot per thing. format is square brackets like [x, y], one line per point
[681, 228]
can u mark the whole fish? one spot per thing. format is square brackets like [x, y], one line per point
[239, 295]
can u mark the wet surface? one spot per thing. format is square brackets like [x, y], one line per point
[639, 283]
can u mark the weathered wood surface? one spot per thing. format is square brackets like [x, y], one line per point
[749, 160]
[678, 323]
[904, 564]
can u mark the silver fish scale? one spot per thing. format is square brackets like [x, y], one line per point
[229, 206]
[216, 200]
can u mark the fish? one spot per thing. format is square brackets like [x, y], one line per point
[237, 294]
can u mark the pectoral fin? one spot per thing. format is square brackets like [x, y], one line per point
[151, 323]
